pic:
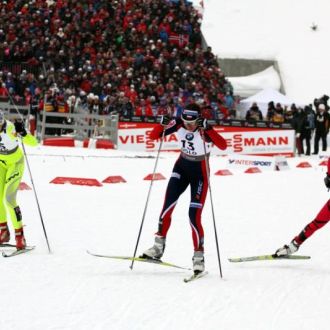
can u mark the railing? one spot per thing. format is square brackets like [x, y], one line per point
[15, 111]
[78, 125]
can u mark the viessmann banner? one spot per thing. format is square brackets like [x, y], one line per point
[240, 140]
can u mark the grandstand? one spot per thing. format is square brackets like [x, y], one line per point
[125, 57]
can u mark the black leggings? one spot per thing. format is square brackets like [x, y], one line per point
[193, 173]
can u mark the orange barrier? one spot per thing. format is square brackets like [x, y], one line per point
[24, 186]
[76, 181]
[114, 179]
[70, 142]
[59, 142]
[157, 176]
[253, 170]
[104, 144]
[304, 165]
[223, 172]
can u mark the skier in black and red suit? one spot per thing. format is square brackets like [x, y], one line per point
[321, 219]
[196, 137]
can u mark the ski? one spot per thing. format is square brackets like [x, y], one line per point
[269, 257]
[147, 260]
[4, 245]
[17, 252]
[194, 277]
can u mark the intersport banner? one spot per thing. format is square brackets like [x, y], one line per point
[240, 140]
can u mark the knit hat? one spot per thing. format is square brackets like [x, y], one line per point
[191, 112]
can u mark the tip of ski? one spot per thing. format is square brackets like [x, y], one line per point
[140, 259]
[17, 252]
[269, 257]
[194, 277]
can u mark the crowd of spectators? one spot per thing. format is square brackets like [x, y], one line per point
[131, 57]
[309, 121]
[278, 113]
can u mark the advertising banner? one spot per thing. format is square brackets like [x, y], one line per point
[240, 140]
[245, 162]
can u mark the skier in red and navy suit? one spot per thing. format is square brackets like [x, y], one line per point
[196, 138]
[321, 219]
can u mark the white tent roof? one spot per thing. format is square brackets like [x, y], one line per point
[262, 99]
[267, 95]
[249, 85]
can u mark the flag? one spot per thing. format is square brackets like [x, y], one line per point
[180, 40]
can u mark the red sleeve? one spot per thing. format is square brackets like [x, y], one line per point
[216, 138]
[156, 132]
[328, 166]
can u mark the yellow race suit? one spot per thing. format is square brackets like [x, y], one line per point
[11, 172]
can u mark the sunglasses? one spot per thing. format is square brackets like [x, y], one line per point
[189, 116]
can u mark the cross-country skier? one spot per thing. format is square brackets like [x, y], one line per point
[321, 219]
[11, 172]
[195, 137]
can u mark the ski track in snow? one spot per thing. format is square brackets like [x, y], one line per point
[255, 214]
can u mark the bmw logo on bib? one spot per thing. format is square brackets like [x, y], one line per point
[189, 136]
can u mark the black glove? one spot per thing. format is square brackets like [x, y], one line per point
[327, 181]
[165, 120]
[19, 128]
[202, 123]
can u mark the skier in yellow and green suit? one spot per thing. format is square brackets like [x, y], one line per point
[11, 172]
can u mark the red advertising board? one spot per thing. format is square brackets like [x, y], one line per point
[240, 140]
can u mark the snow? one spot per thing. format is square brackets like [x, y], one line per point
[254, 214]
[275, 30]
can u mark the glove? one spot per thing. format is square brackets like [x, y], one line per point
[165, 120]
[327, 181]
[202, 123]
[19, 128]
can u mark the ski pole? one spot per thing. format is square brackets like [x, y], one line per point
[147, 202]
[211, 199]
[31, 177]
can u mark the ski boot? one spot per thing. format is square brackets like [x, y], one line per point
[157, 250]
[198, 262]
[20, 239]
[4, 233]
[287, 249]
